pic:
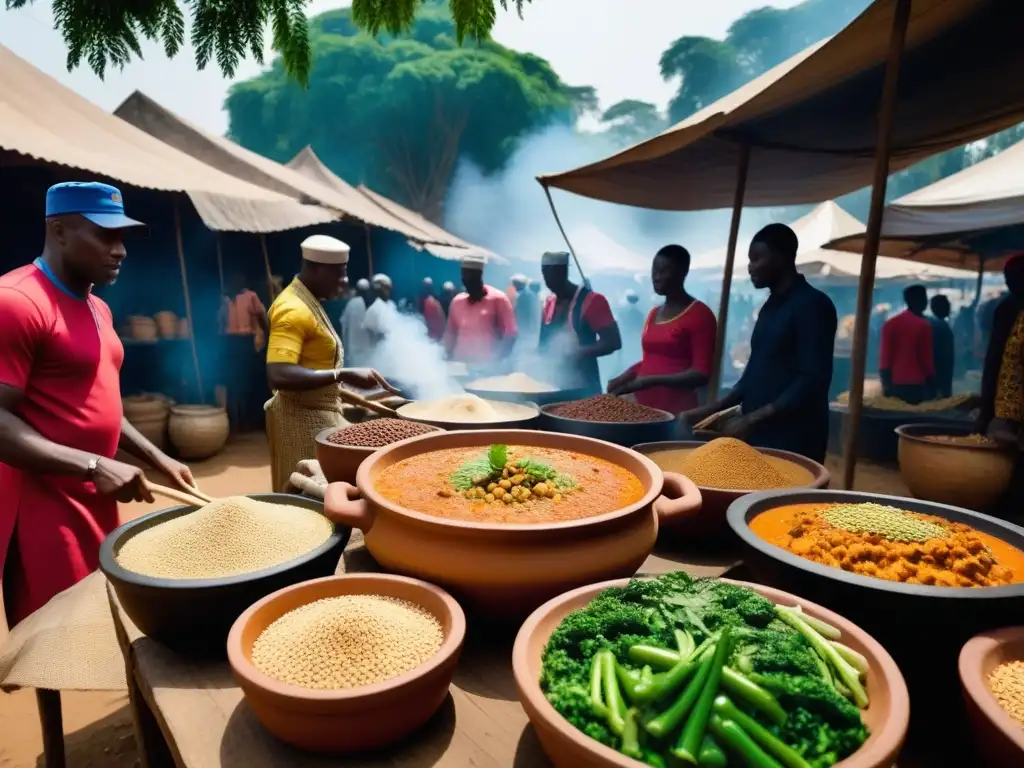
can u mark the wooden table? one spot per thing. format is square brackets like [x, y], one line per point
[191, 714]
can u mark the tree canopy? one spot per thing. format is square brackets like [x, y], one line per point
[397, 113]
[108, 33]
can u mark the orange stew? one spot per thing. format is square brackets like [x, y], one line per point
[423, 483]
[964, 557]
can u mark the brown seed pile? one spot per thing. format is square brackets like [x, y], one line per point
[376, 433]
[347, 642]
[607, 408]
[227, 537]
[960, 439]
[1007, 684]
[729, 463]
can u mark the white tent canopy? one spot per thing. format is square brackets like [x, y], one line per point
[930, 225]
[825, 223]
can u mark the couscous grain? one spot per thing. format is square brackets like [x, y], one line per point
[1007, 684]
[227, 537]
[347, 642]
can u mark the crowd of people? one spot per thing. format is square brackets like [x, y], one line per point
[61, 420]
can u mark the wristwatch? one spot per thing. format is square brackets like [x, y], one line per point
[91, 467]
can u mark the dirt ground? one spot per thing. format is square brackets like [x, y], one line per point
[97, 726]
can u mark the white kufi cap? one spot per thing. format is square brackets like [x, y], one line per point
[555, 259]
[323, 249]
[475, 261]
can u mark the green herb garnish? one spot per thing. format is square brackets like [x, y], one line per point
[488, 467]
[541, 471]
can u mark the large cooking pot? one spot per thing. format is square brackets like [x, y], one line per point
[923, 627]
[508, 570]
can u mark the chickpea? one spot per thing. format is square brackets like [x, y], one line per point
[507, 499]
[491, 487]
[469, 494]
[541, 489]
[505, 472]
[551, 492]
[444, 493]
[518, 479]
[489, 498]
[506, 484]
[556, 498]
[498, 492]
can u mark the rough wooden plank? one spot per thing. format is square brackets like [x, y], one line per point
[202, 715]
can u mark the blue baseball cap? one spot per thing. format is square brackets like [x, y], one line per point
[101, 204]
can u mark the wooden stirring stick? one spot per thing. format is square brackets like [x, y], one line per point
[175, 495]
[352, 398]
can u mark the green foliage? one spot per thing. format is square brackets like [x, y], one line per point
[397, 113]
[473, 18]
[109, 33]
[630, 121]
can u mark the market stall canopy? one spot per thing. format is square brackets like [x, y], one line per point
[600, 254]
[422, 233]
[811, 122]
[229, 157]
[43, 120]
[957, 219]
[825, 223]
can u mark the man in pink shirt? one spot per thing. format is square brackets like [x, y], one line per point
[481, 323]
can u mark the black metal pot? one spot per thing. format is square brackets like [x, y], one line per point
[922, 627]
[194, 616]
[626, 434]
[538, 398]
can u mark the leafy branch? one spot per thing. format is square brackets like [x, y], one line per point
[473, 18]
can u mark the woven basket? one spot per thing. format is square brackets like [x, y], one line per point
[166, 324]
[198, 431]
[142, 328]
[145, 406]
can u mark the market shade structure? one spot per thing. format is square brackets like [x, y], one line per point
[422, 233]
[810, 122]
[957, 221]
[825, 223]
[43, 120]
[231, 158]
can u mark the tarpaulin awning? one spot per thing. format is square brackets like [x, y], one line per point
[422, 233]
[944, 222]
[811, 122]
[229, 157]
[825, 223]
[44, 120]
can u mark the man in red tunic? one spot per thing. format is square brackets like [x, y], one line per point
[906, 363]
[60, 403]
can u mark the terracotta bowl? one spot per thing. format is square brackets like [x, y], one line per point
[971, 476]
[339, 463]
[886, 717]
[516, 416]
[999, 738]
[506, 570]
[356, 719]
[710, 522]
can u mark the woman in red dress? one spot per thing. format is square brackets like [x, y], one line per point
[678, 341]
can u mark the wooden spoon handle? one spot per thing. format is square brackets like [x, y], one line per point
[175, 495]
[352, 398]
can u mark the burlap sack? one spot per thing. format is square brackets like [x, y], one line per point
[67, 645]
[293, 420]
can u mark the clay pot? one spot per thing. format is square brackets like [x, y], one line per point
[339, 463]
[506, 570]
[999, 738]
[166, 324]
[356, 719]
[198, 431]
[142, 328]
[887, 716]
[710, 521]
[971, 476]
[149, 415]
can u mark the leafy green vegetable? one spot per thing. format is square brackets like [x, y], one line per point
[781, 709]
[541, 471]
[497, 455]
[463, 478]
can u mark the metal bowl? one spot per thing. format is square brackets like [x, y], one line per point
[194, 616]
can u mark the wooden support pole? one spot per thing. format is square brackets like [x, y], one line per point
[730, 260]
[51, 720]
[369, 250]
[188, 302]
[866, 286]
[558, 221]
[220, 263]
[266, 266]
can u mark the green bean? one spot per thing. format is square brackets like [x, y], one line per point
[736, 740]
[668, 720]
[688, 747]
[659, 658]
[767, 740]
[711, 755]
[596, 697]
[753, 695]
[612, 695]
